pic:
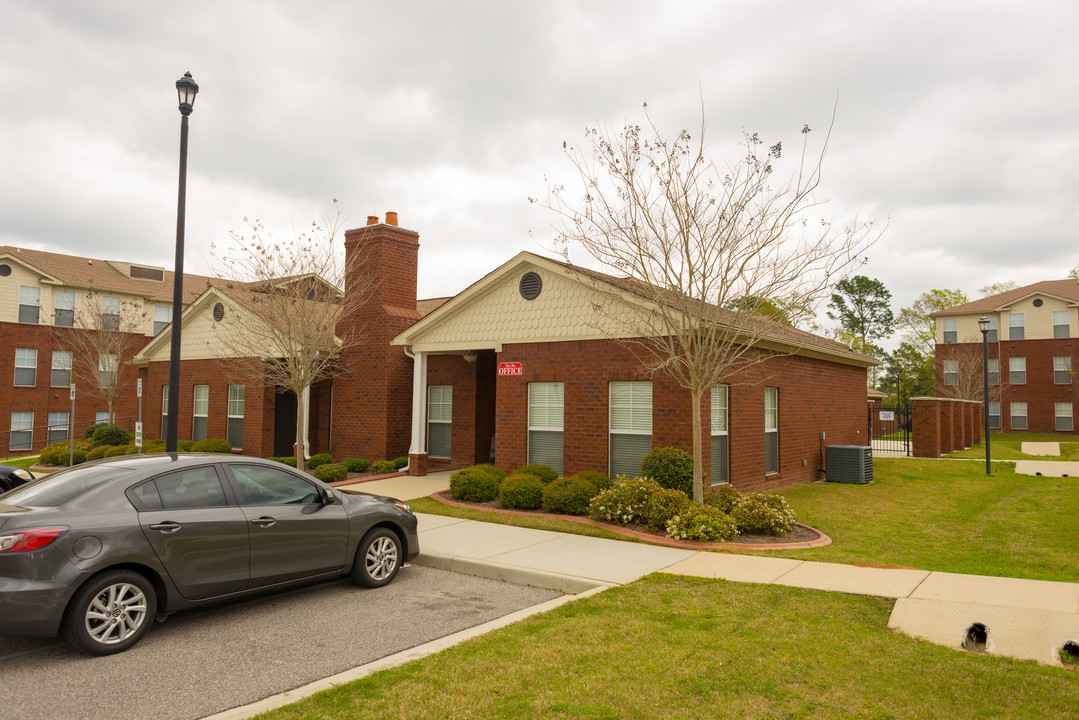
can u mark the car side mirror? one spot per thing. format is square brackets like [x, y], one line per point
[328, 498]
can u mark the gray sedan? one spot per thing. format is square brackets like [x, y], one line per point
[100, 550]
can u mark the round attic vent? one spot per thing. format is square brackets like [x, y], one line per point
[1037, 302]
[5, 270]
[530, 286]
[219, 312]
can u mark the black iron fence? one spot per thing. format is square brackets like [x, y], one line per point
[890, 428]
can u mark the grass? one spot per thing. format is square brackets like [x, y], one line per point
[928, 514]
[23, 462]
[1008, 447]
[668, 647]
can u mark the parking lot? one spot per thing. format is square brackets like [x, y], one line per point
[205, 661]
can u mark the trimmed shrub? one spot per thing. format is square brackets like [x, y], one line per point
[722, 497]
[472, 485]
[702, 523]
[331, 472]
[570, 495]
[90, 429]
[400, 462]
[356, 465]
[320, 459]
[664, 505]
[153, 446]
[670, 467]
[212, 445]
[543, 472]
[383, 467]
[97, 453]
[110, 435]
[57, 453]
[118, 450]
[521, 490]
[601, 481]
[493, 470]
[290, 461]
[624, 502]
[763, 514]
[184, 445]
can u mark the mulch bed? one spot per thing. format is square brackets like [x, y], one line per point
[802, 536]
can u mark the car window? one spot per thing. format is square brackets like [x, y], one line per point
[196, 487]
[62, 487]
[148, 496]
[261, 485]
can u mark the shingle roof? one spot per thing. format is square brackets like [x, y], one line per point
[1067, 289]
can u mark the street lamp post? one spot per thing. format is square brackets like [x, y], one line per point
[186, 89]
[983, 325]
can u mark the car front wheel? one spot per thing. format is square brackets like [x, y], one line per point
[110, 613]
[377, 559]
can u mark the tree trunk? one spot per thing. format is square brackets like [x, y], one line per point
[301, 434]
[698, 451]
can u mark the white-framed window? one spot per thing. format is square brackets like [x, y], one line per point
[1064, 416]
[992, 334]
[61, 369]
[439, 420]
[57, 426]
[101, 417]
[164, 411]
[110, 312]
[994, 416]
[720, 446]
[1061, 324]
[771, 430]
[25, 367]
[234, 433]
[951, 372]
[1016, 326]
[546, 423]
[63, 308]
[994, 371]
[1062, 370]
[951, 330]
[1019, 416]
[108, 365]
[199, 412]
[630, 408]
[29, 304]
[1017, 370]
[162, 317]
[22, 431]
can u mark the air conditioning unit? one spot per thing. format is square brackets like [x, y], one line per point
[849, 464]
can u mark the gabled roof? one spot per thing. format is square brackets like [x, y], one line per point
[1066, 290]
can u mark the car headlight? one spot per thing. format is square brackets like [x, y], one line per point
[404, 506]
[24, 474]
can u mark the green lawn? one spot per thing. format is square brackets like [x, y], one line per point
[668, 647]
[928, 514]
[23, 462]
[1007, 447]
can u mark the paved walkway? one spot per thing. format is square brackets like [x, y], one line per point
[1027, 619]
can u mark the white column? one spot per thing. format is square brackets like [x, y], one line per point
[419, 404]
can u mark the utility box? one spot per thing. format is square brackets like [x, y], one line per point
[849, 464]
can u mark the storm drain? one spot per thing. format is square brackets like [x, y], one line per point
[977, 636]
[1069, 654]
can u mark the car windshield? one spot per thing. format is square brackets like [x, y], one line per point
[57, 490]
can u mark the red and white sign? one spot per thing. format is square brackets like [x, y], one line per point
[510, 368]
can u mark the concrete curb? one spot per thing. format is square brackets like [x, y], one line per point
[515, 575]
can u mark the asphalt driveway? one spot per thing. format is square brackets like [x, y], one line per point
[205, 661]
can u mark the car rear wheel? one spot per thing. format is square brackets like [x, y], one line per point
[377, 559]
[110, 613]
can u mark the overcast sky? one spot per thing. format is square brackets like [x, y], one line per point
[958, 122]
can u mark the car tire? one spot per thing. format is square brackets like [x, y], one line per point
[110, 613]
[378, 558]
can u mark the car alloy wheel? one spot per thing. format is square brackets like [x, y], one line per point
[378, 558]
[111, 613]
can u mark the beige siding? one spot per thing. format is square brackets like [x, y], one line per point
[1037, 321]
[201, 339]
[9, 291]
[967, 327]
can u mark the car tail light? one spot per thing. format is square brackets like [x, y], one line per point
[26, 540]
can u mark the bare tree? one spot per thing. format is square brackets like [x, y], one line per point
[964, 377]
[705, 245]
[107, 331]
[291, 301]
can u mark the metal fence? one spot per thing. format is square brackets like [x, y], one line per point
[29, 441]
[890, 429]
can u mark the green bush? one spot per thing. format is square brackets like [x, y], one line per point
[401, 462]
[664, 505]
[570, 494]
[320, 459]
[110, 435]
[58, 453]
[153, 446]
[702, 523]
[356, 465]
[521, 490]
[472, 485]
[382, 467]
[722, 497]
[331, 472]
[543, 472]
[290, 461]
[601, 481]
[212, 445]
[670, 467]
[90, 429]
[119, 450]
[763, 514]
[184, 445]
[97, 453]
[625, 502]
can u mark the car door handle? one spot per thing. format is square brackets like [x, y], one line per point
[166, 527]
[264, 521]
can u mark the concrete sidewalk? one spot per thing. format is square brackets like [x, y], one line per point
[1026, 619]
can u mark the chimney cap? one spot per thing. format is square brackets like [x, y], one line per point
[391, 218]
[372, 219]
